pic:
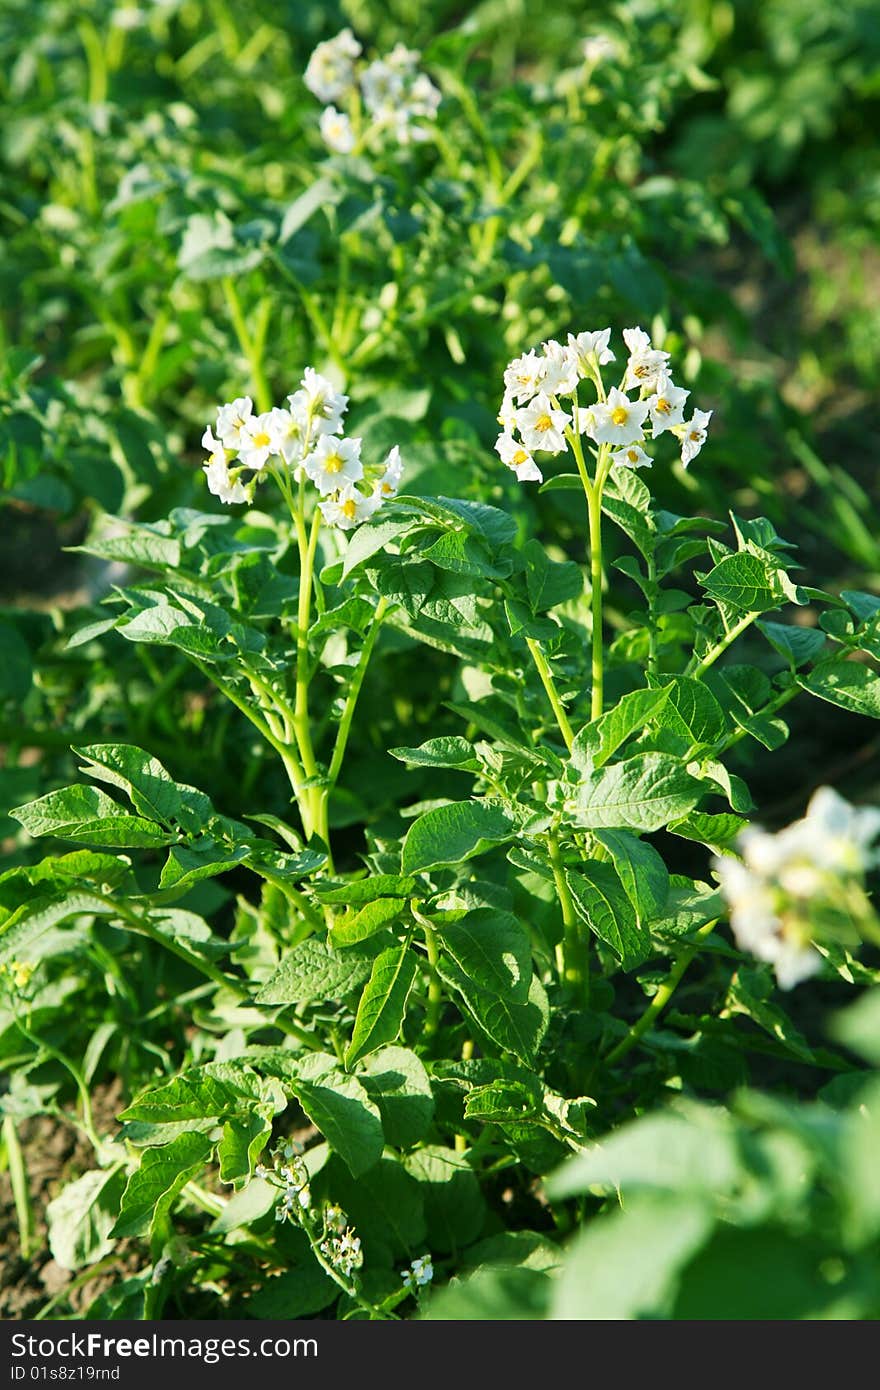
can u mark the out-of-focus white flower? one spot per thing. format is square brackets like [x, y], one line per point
[257, 441]
[600, 48]
[423, 97]
[645, 361]
[333, 463]
[788, 883]
[231, 420]
[518, 458]
[692, 434]
[633, 456]
[402, 59]
[560, 369]
[217, 472]
[666, 406]
[382, 86]
[541, 426]
[591, 349]
[618, 420]
[337, 130]
[330, 72]
[523, 376]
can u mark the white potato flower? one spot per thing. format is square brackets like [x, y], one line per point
[217, 472]
[231, 419]
[288, 428]
[337, 131]
[389, 483]
[382, 86]
[600, 48]
[258, 441]
[507, 414]
[420, 1272]
[523, 377]
[333, 463]
[324, 406]
[591, 349]
[518, 458]
[424, 97]
[645, 361]
[541, 426]
[633, 456]
[666, 406]
[561, 373]
[617, 420]
[349, 508]
[692, 434]
[330, 72]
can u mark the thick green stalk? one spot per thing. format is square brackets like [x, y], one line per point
[251, 346]
[574, 951]
[721, 646]
[597, 698]
[662, 997]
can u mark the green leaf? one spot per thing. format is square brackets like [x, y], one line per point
[596, 742]
[370, 919]
[312, 972]
[719, 832]
[80, 1219]
[549, 582]
[640, 869]
[689, 1154]
[386, 1207]
[627, 1265]
[154, 1187]
[186, 866]
[244, 1139]
[601, 901]
[749, 584]
[339, 1106]
[454, 1206]
[518, 1028]
[382, 1008]
[455, 832]
[798, 645]
[196, 1098]
[397, 1081]
[642, 793]
[142, 545]
[493, 1295]
[493, 949]
[365, 890]
[848, 684]
[89, 817]
[299, 1292]
[148, 786]
[447, 751]
[751, 992]
[692, 711]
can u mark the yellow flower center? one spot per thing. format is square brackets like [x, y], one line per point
[349, 509]
[695, 435]
[543, 424]
[261, 440]
[619, 415]
[333, 463]
[641, 370]
[632, 455]
[520, 457]
[387, 489]
[662, 407]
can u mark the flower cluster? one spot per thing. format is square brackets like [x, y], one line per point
[396, 97]
[539, 386]
[16, 975]
[290, 1174]
[342, 1248]
[801, 885]
[419, 1274]
[305, 440]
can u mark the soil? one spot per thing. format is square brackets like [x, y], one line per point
[54, 1154]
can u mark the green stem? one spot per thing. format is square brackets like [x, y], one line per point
[20, 1190]
[597, 699]
[575, 956]
[721, 646]
[662, 997]
[549, 684]
[435, 988]
[88, 1124]
[354, 691]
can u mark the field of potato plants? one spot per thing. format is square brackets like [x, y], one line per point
[439, 660]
